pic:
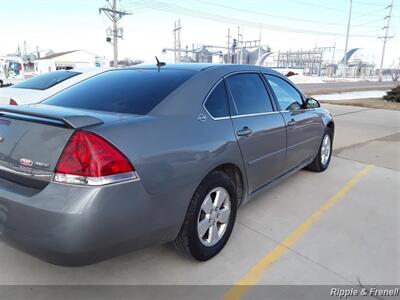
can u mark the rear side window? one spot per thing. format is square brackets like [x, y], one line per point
[249, 94]
[131, 91]
[46, 81]
[217, 102]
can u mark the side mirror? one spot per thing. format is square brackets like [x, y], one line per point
[312, 103]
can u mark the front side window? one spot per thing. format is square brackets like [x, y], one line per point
[249, 94]
[217, 102]
[46, 81]
[288, 97]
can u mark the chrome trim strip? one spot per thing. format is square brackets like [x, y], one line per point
[216, 84]
[254, 115]
[251, 115]
[206, 98]
[301, 109]
[219, 118]
[243, 72]
[95, 181]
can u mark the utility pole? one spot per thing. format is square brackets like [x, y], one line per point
[229, 46]
[347, 35]
[259, 44]
[385, 38]
[241, 48]
[114, 15]
[238, 42]
[177, 41]
[334, 50]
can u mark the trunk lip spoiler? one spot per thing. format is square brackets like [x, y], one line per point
[71, 121]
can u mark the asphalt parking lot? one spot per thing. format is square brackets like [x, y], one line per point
[338, 227]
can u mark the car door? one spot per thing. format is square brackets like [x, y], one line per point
[260, 130]
[302, 125]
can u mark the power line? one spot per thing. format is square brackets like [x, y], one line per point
[291, 18]
[142, 10]
[328, 7]
[230, 20]
[369, 3]
[370, 22]
[371, 13]
[265, 14]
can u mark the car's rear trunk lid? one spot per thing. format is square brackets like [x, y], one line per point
[32, 139]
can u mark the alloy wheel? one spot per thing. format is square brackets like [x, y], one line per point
[214, 216]
[325, 149]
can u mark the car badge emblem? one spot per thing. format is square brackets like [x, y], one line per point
[26, 162]
[42, 164]
[1, 139]
[202, 118]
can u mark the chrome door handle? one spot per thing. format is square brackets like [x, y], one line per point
[245, 131]
[292, 122]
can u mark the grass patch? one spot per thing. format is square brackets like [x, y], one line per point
[377, 103]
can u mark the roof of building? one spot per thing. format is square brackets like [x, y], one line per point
[57, 54]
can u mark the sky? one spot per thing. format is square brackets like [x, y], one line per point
[63, 25]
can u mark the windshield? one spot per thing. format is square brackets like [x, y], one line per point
[132, 91]
[46, 81]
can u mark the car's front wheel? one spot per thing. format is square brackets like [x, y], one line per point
[210, 218]
[323, 158]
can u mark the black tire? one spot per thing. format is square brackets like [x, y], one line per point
[316, 165]
[188, 241]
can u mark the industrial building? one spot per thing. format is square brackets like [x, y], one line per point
[68, 60]
[318, 61]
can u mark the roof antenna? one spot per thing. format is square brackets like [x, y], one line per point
[159, 63]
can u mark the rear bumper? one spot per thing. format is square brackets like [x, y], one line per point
[71, 225]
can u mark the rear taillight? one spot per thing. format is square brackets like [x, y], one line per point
[89, 159]
[13, 102]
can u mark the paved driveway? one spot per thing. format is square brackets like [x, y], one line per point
[338, 227]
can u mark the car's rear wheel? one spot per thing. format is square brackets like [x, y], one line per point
[210, 218]
[323, 158]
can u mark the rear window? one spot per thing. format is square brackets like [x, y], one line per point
[132, 91]
[46, 81]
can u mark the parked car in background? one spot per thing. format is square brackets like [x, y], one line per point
[140, 156]
[40, 87]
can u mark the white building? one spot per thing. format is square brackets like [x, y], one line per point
[69, 60]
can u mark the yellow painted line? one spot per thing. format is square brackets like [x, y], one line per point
[256, 273]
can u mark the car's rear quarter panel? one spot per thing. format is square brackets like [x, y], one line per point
[172, 155]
